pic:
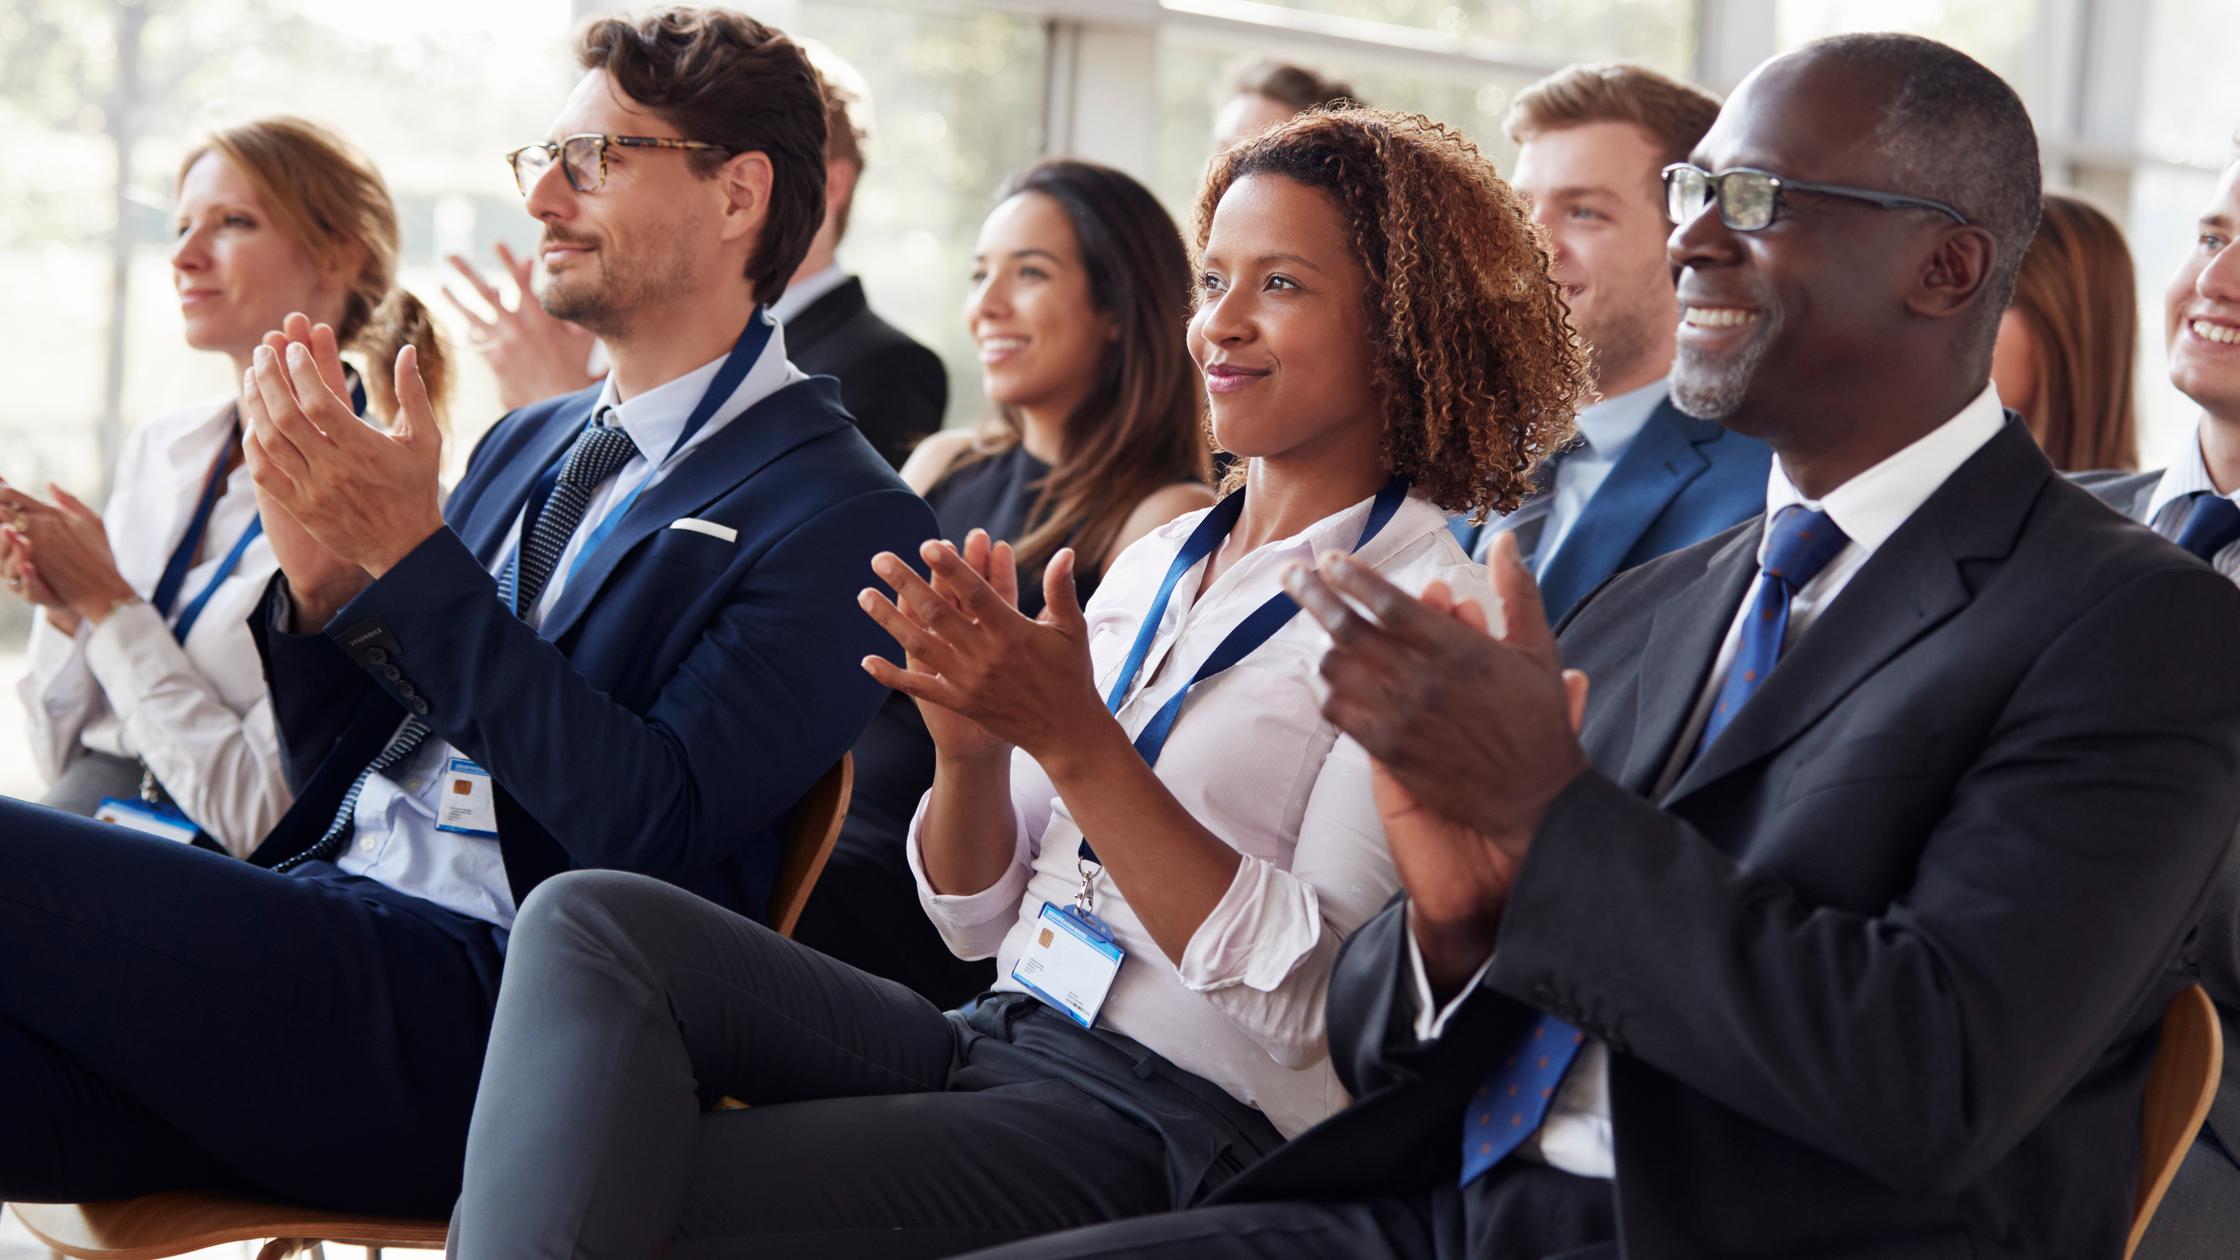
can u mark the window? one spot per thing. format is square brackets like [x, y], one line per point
[1660, 33]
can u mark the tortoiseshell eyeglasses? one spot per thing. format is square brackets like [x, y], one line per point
[583, 158]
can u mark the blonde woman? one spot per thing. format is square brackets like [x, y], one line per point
[146, 702]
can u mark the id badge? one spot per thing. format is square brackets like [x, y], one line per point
[147, 819]
[1070, 963]
[465, 803]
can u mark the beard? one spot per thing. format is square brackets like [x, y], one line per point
[1714, 388]
[607, 288]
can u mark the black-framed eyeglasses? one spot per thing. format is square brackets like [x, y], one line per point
[1749, 198]
[583, 158]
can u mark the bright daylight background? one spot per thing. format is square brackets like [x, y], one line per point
[2134, 100]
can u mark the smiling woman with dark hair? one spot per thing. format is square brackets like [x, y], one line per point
[1137, 807]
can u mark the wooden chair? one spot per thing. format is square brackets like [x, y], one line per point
[155, 1226]
[2188, 1066]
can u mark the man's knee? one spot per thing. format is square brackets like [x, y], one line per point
[610, 916]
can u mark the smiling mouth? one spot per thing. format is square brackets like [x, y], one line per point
[2222, 334]
[1717, 316]
[995, 348]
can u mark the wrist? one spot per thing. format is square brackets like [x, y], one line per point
[315, 606]
[394, 552]
[1453, 948]
[64, 619]
[97, 609]
[1083, 746]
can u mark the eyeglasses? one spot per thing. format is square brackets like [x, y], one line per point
[583, 158]
[1749, 199]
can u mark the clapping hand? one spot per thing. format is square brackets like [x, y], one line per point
[532, 354]
[987, 677]
[57, 556]
[365, 497]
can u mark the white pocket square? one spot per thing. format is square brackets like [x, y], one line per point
[710, 528]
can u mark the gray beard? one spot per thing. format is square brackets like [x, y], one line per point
[1710, 392]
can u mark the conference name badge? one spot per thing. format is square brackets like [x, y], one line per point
[147, 819]
[1070, 962]
[465, 803]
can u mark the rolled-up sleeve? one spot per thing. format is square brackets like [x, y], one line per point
[973, 925]
[1264, 956]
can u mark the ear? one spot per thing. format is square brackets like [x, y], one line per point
[839, 185]
[745, 179]
[1957, 270]
[341, 265]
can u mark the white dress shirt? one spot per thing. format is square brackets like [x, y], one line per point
[1255, 762]
[1606, 431]
[2172, 499]
[1576, 1135]
[396, 841]
[197, 713]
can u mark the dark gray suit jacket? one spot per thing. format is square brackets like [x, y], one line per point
[1881, 974]
[2200, 1216]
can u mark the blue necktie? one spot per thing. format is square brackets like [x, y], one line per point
[2211, 524]
[599, 453]
[1510, 1105]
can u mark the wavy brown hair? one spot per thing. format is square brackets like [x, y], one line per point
[329, 199]
[2077, 292]
[1476, 362]
[1142, 427]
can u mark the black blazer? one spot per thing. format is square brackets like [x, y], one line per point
[1881, 974]
[895, 388]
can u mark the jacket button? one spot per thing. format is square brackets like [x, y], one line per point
[405, 691]
[420, 708]
[391, 672]
[377, 655]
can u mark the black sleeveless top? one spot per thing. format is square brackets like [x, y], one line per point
[865, 910]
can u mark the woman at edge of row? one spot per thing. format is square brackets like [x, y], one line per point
[1382, 347]
[1080, 292]
[145, 688]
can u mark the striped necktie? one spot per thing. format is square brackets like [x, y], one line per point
[600, 452]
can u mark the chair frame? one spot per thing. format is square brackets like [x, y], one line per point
[2188, 1067]
[157, 1226]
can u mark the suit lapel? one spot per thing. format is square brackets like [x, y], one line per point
[1656, 467]
[1911, 584]
[795, 414]
[495, 508]
[1683, 640]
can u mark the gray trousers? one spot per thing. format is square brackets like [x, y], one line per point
[90, 777]
[878, 1125]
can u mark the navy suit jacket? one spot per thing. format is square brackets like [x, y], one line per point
[686, 690]
[1881, 973]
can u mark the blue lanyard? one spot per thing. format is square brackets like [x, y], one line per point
[1253, 631]
[736, 365]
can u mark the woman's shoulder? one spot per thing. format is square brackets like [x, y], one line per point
[1162, 506]
[934, 457]
[160, 433]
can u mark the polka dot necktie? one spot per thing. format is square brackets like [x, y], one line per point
[2212, 524]
[1510, 1105]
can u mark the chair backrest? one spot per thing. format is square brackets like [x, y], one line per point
[2180, 1086]
[816, 825]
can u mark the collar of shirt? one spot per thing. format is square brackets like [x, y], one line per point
[655, 418]
[1609, 427]
[1871, 506]
[2187, 475]
[802, 292]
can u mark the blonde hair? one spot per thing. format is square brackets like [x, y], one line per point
[325, 194]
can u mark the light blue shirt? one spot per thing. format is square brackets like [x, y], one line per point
[2172, 500]
[396, 841]
[1606, 430]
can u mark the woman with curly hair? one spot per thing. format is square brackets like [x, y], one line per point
[1137, 807]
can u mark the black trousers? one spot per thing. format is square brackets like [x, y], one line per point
[1518, 1212]
[171, 1018]
[878, 1125]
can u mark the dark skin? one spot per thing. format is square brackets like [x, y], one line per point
[1862, 309]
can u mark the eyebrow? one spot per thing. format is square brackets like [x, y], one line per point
[2215, 219]
[1577, 192]
[1280, 257]
[1018, 254]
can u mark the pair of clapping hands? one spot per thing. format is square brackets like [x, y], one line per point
[1472, 733]
[342, 500]
[54, 553]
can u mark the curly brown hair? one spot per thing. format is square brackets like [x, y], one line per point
[1476, 360]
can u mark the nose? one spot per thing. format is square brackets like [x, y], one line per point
[551, 198]
[1224, 318]
[989, 300]
[191, 252]
[1703, 241]
[2219, 280]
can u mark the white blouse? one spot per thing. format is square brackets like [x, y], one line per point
[1253, 760]
[198, 714]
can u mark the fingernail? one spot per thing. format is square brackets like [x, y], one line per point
[263, 355]
[296, 352]
[864, 597]
[1294, 576]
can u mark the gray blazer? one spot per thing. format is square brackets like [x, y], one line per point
[2201, 1215]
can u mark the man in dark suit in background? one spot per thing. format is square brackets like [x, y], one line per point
[629, 641]
[1644, 477]
[895, 388]
[2192, 502]
[1845, 924]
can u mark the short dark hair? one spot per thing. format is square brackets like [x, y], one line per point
[1674, 115]
[725, 79]
[1955, 132]
[1287, 82]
